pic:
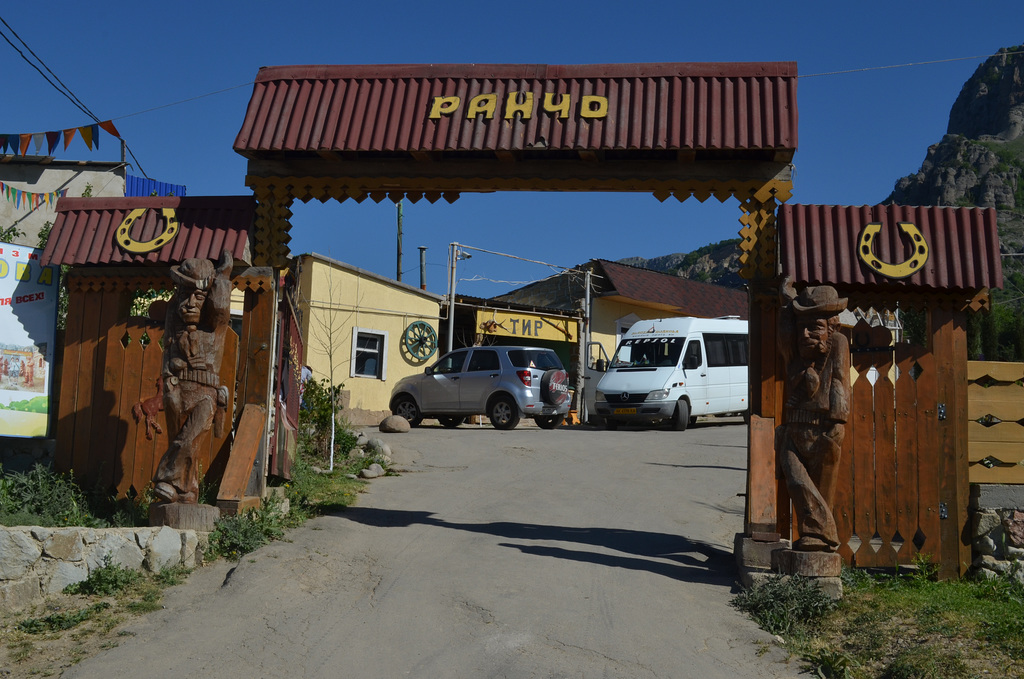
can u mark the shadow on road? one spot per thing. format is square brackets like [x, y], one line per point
[672, 556]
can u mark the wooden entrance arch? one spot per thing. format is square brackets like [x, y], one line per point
[431, 132]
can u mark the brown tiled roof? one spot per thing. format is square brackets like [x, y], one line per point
[208, 225]
[723, 108]
[690, 298]
[818, 244]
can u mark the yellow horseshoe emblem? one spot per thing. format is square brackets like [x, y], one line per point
[164, 237]
[906, 268]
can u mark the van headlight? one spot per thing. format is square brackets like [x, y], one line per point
[658, 395]
[599, 396]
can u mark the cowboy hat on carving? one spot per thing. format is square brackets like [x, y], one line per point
[819, 300]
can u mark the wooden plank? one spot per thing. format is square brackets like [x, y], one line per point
[1010, 452]
[148, 453]
[928, 457]
[1007, 405]
[761, 475]
[863, 422]
[1008, 432]
[88, 370]
[842, 501]
[220, 450]
[131, 392]
[1003, 475]
[248, 437]
[907, 451]
[68, 407]
[963, 491]
[106, 406]
[950, 367]
[998, 370]
[259, 365]
[885, 448]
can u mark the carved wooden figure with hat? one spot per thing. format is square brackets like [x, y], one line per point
[817, 404]
[194, 399]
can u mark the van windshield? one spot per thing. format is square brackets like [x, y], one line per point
[648, 352]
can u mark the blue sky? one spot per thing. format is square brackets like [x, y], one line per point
[147, 66]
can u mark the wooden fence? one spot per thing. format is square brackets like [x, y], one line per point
[995, 421]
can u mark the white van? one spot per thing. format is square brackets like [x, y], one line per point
[675, 369]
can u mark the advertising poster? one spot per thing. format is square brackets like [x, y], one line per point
[28, 331]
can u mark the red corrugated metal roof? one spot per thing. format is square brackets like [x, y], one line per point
[84, 230]
[691, 298]
[818, 244]
[385, 108]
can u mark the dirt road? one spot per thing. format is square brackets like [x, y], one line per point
[568, 553]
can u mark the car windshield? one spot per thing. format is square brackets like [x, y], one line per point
[542, 359]
[648, 352]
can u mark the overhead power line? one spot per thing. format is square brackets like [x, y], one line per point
[913, 63]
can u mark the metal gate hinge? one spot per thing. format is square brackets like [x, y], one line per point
[943, 511]
[942, 411]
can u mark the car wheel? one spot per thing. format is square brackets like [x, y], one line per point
[610, 424]
[405, 406]
[682, 416]
[549, 421]
[451, 422]
[504, 413]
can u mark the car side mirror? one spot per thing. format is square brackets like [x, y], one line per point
[429, 370]
[601, 365]
[691, 363]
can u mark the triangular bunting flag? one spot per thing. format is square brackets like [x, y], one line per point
[37, 140]
[108, 125]
[3, 143]
[94, 130]
[86, 132]
[26, 139]
[68, 136]
[52, 139]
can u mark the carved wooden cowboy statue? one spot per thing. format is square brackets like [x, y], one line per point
[817, 403]
[194, 399]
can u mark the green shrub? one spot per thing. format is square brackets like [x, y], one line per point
[43, 497]
[61, 621]
[235, 536]
[785, 604]
[110, 578]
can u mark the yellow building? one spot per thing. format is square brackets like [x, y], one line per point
[356, 328]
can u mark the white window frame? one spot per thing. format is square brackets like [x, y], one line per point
[383, 334]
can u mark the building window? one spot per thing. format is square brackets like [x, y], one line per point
[369, 353]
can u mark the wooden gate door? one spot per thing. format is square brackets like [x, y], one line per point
[901, 491]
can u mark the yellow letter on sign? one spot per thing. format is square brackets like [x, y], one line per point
[562, 107]
[444, 106]
[482, 103]
[594, 106]
[512, 105]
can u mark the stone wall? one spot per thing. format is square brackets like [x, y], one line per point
[997, 529]
[36, 562]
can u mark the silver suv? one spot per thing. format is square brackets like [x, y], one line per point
[505, 383]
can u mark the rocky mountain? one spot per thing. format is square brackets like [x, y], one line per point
[717, 263]
[980, 160]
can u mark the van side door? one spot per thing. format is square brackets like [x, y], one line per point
[695, 376]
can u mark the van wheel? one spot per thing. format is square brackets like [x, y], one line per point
[503, 413]
[682, 417]
[451, 422]
[549, 421]
[610, 424]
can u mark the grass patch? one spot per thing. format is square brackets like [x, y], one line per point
[902, 625]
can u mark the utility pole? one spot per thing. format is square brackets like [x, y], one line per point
[398, 276]
[453, 253]
[423, 267]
